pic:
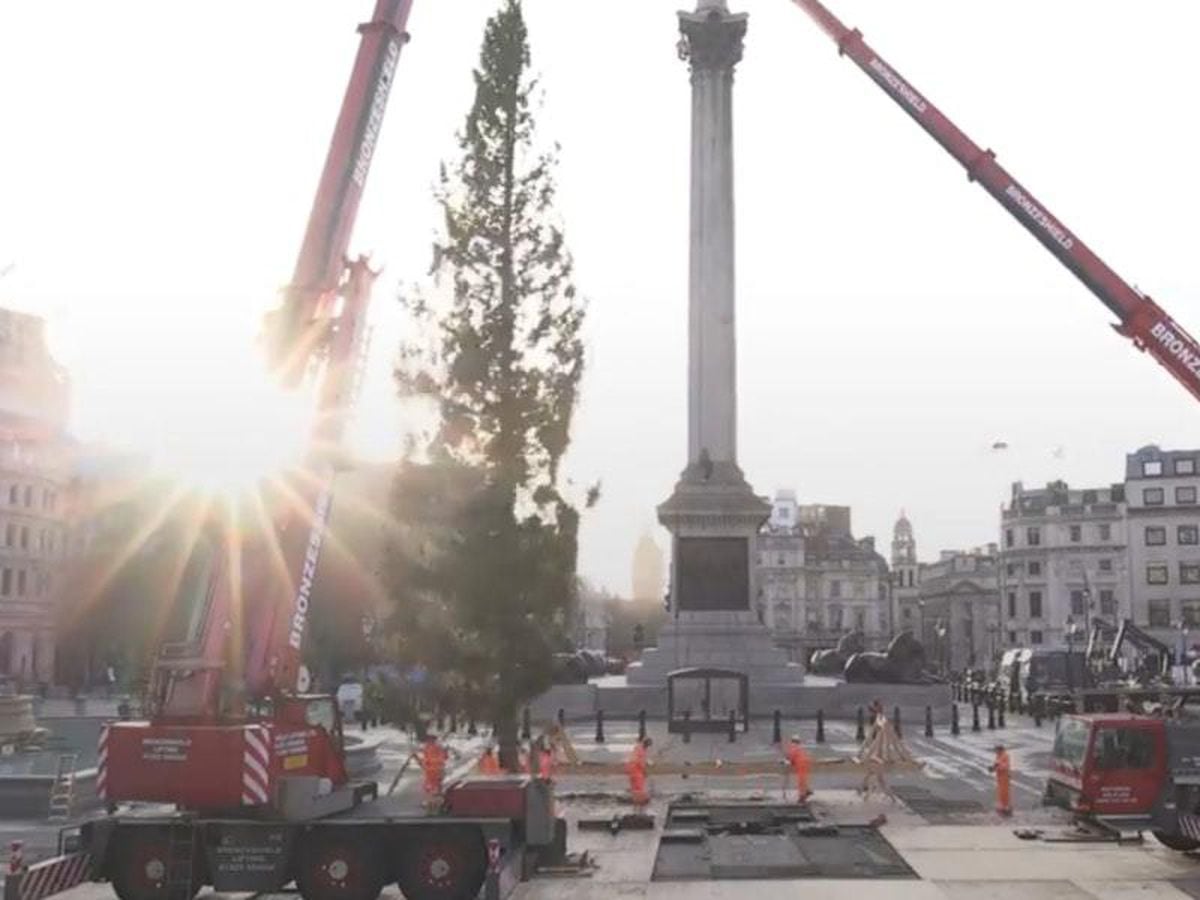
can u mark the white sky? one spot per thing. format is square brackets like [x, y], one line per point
[158, 159]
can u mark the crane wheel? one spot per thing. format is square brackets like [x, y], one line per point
[140, 864]
[337, 864]
[443, 864]
[1179, 842]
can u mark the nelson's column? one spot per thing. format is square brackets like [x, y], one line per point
[713, 514]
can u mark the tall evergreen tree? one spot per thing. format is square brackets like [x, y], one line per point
[484, 569]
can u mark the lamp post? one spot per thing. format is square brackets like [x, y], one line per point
[1071, 630]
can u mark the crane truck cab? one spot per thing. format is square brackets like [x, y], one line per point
[1130, 772]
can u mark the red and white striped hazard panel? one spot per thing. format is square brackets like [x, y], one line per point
[256, 762]
[49, 877]
[102, 765]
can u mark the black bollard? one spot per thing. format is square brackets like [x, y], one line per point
[1000, 717]
[820, 726]
[860, 733]
[562, 717]
[896, 721]
[687, 726]
[472, 730]
[526, 724]
[777, 728]
[733, 726]
[975, 717]
[1037, 712]
[991, 717]
[954, 729]
[929, 721]
[641, 724]
[599, 726]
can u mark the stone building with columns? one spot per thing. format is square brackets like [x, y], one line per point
[816, 581]
[35, 455]
[1062, 559]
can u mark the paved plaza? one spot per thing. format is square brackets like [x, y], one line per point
[942, 825]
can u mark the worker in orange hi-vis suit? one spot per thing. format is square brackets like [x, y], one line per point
[1003, 769]
[488, 763]
[636, 767]
[432, 757]
[545, 758]
[798, 759]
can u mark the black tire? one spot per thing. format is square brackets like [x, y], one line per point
[338, 864]
[1177, 841]
[139, 866]
[443, 864]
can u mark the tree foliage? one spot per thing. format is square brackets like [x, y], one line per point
[483, 569]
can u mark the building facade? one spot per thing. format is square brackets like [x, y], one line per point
[958, 609]
[905, 578]
[1062, 560]
[816, 581]
[34, 467]
[1161, 488]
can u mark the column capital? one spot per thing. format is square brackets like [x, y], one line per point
[712, 38]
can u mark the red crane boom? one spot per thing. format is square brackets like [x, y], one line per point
[1141, 319]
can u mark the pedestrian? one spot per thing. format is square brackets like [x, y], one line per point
[1003, 769]
[432, 758]
[797, 758]
[545, 758]
[636, 767]
[488, 763]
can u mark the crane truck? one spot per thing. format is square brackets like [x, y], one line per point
[238, 779]
[1120, 770]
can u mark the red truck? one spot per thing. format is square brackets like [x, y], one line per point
[1130, 772]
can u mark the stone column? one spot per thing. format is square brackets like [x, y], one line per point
[712, 45]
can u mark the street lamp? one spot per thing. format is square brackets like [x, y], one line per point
[1071, 629]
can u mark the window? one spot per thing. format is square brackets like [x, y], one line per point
[1152, 496]
[1035, 567]
[1105, 565]
[20, 582]
[782, 560]
[1185, 466]
[24, 537]
[1152, 467]
[1160, 613]
[1035, 637]
[1035, 604]
[1108, 603]
[28, 496]
[1124, 748]
[1008, 537]
[1156, 535]
[12, 494]
[1011, 569]
[1188, 534]
[1012, 637]
[835, 590]
[906, 614]
[1012, 604]
[1157, 574]
[1189, 573]
[10, 535]
[860, 620]
[1076, 534]
[1190, 612]
[1106, 532]
[1077, 603]
[1185, 496]
[6, 582]
[835, 617]
[1033, 536]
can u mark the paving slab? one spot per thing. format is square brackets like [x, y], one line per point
[1132, 890]
[1009, 890]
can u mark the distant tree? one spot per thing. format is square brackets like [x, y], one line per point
[483, 569]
